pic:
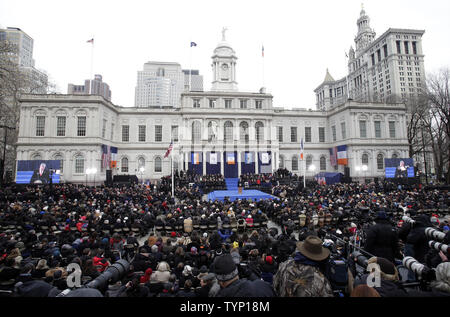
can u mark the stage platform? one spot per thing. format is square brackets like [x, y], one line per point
[234, 194]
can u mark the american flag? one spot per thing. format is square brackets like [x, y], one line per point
[263, 51]
[169, 150]
[90, 41]
[301, 149]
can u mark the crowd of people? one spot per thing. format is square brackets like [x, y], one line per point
[187, 247]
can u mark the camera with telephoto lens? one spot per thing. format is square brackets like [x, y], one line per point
[434, 234]
[407, 219]
[422, 271]
[439, 246]
[111, 275]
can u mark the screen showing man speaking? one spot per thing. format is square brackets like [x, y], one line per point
[399, 168]
[37, 171]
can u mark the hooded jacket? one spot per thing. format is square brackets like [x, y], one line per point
[162, 273]
[381, 240]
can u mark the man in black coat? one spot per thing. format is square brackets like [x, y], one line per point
[41, 175]
[417, 238]
[381, 239]
[231, 286]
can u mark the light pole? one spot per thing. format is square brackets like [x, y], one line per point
[88, 171]
[94, 171]
[142, 170]
[364, 169]
[358, 169]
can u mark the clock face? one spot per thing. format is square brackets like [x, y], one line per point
[224, 66]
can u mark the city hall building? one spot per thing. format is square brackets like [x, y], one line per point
[223, 130]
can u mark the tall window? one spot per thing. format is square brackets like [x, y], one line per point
[79, 164]
[259, 127]
[228, 132]
[228, 103]
[414, 46]
[321, 134]
[212, 103]
[158, 165]
[158, 133]
[125, 133]
[362, 129]
[295, 163]
[244, 135]
[385, 50]
[124, 165]
[399, 48]
[323, 163]
[141, 136]
[308, 162]
[61, 126]
[243, 103]
[174, 133]
[380, 161]
[59, 157]
[141, 163]
[293, 134]
[196, 131]
[406, 47]
[258, 104]
[104, 128]
[333, 131]
[365, 159]
[81, 127]
[112, 131]
[40, 125]
[195, 103]
[377, 129]
[394, 156]
[307, 134]
[343, 132]
[392, 129]
[280, 134]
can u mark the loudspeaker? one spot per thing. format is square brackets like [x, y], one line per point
[109, 177]
[346, 172]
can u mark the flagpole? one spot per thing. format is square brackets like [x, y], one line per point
[173, 189]
[263, 83]
[190, 66]
[304, 173]
[92, 59]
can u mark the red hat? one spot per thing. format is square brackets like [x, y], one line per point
[269, 259]
[173, 234]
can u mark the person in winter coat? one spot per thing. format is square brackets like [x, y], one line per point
[389, 279]
[231, 286]
[187, 224]
[209, 287]
[162, 273]
[381, 239]
[417, 239]
[146, 277]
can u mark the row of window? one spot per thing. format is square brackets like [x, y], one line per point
[243, 103]
[60, 126]
[142, 133]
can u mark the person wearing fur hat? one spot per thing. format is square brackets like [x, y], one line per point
[227, 275]
[162, 273]
[381, 239]
[389, 279]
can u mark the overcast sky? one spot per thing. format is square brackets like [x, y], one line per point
[301, 39]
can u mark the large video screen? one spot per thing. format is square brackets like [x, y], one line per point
[37, 171]
[399, 167]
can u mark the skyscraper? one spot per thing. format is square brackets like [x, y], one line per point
[159, 84]
[91, 87]
[389, 68]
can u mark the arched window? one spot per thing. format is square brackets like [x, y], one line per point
[380, 161]
[228, 132]
[395, 155]
[212, 131]
[79, 164]
[124, 165]
[295, 163]
[59, 157]
[36, 157]
[259, 129]
[309, 160]
[243, 132]
[141, 163]
[196, 131]
[281, 161]
[365, 159]
[323, 163]
[158, 165]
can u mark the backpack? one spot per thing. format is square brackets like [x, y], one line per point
[337, 273]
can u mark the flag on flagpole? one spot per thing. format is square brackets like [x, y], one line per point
[342, 155]
[90, 41]
[169, 150]
[193, 44]
[301, 149]
[263, 51]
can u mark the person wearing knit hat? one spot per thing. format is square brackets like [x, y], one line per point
[227, 274]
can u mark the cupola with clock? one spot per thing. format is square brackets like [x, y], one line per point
[224, 67]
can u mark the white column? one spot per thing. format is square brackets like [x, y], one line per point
[256, 161]
[238, 162]
[221, 162]
[204, 162]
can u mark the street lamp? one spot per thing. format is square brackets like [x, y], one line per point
[364, 169]
[142, 170]
[312, 168]
[94, 171]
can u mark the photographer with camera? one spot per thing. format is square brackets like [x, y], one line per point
[415, 239]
